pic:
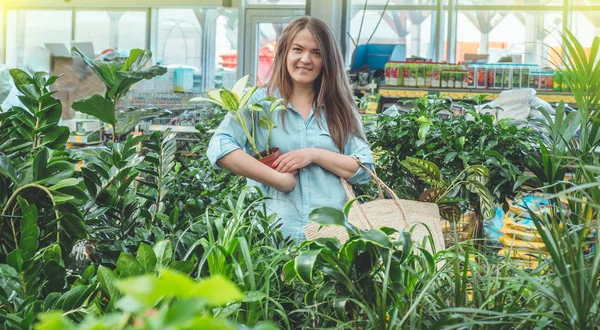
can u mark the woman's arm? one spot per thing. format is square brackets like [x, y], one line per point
[241, 163]
[341, 165]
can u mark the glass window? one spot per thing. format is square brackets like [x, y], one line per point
[411, 28]
[586, 2]
[179, 37]
[526, 36]
[511, 2]
[276, 2]
[30, 29]
[268, 34]
[226, 45]
[121, 30]
[586, 26]
[394, 2]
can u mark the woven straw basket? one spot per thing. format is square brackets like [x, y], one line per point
[395, 213]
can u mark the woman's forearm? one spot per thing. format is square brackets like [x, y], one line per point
[243, 164]
[341, 165]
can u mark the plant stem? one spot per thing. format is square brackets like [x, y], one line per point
[44, 189]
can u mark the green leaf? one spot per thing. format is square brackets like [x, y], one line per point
[65, 183]
[146, 257]
[29, 232]
[305, 264]
[97, 106]
[265, 123]
[229, 100]
[218, 291]
[238, 88]
[164, 253]
[128, 266]
[40, 162]
[54, 321]
[377, 237]
[15, 260]
[107, 280]
[432, 195]
[327, 216]
[486, 201]
[183, 266]
[7, 169]
[425, 170]
[450, 211]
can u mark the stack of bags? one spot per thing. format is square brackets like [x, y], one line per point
[521, 240]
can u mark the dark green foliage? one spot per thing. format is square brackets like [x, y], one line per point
[452, 144]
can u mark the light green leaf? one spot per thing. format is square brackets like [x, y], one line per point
[229, 100]
[164, 253]
[146, 257]
[238, 88]
[218, 291]
[65, 183]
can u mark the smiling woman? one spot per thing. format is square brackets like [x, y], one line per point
[319, 136]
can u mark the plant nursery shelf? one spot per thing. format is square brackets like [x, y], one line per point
[457, 94]
[174, 128]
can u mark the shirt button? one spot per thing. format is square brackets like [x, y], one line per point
[304, 169]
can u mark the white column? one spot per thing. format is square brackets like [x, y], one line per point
[484, 43]
[2, 35]
[115, 17]
[331, 13]
[209, 40]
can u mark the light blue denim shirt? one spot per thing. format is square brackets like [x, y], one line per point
[315, 186]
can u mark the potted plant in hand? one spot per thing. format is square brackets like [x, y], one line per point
[235, 101]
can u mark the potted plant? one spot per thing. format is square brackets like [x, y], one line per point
[235, 101]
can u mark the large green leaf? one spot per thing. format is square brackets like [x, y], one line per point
[129, 266]
[97, 106]
[305, 264]
[146, 257]
[164, 253]
[108, 280]
[327, 216]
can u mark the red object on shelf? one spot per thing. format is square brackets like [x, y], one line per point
[265, 60]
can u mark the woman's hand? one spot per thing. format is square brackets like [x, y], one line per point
[286, 182]
[294, 160]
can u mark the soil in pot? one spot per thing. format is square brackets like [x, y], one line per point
[274, 153]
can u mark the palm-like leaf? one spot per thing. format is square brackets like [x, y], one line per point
[159, 171]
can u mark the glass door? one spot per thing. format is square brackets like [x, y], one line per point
[263, 29]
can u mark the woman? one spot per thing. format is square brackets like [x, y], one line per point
[319, 135]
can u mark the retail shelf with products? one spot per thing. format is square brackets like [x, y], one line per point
[391, 92]
[184, 115]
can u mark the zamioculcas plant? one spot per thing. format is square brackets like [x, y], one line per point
[118, 75]
[236, 102]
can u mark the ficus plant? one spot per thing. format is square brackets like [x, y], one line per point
[118, 75]
[236, 102]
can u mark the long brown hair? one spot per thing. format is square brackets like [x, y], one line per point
[332, 89]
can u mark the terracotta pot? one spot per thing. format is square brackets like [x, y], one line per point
[268, 160]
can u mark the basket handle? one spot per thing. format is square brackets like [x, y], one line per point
[380, 187]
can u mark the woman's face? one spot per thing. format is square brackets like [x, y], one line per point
[304, 61]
